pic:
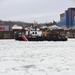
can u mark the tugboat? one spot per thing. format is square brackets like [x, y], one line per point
[32, 35]
[36, 35]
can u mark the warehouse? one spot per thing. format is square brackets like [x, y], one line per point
[6, 32]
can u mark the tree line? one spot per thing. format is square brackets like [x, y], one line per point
[24, 24]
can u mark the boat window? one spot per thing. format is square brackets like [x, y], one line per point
[35, 32]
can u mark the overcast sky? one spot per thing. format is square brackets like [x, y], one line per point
[33, 10]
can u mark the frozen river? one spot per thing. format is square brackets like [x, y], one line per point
[37, 58]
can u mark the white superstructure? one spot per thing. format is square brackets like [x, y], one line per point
[33, 33]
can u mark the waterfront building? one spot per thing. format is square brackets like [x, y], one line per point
[67, 19]
[6, 32]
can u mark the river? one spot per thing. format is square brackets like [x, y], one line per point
[37, 58]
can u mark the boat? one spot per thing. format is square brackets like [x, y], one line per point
[34, 35]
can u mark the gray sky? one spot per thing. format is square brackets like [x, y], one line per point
[33, 10]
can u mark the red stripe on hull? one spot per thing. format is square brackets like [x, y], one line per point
[24, 38]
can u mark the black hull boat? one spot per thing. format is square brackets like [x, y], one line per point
[34, 35]
[38, 34]
[41, 38]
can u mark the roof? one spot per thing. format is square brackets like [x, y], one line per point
[55, 27]
[17, 27]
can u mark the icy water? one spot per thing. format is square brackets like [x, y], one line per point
[37, 58]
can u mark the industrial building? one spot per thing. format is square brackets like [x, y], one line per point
[67, 19]
[6, 32]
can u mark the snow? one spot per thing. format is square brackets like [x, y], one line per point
[37, 58]
[17, 27]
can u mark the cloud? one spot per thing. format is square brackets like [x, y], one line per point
[40, 18]
[33, 9]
